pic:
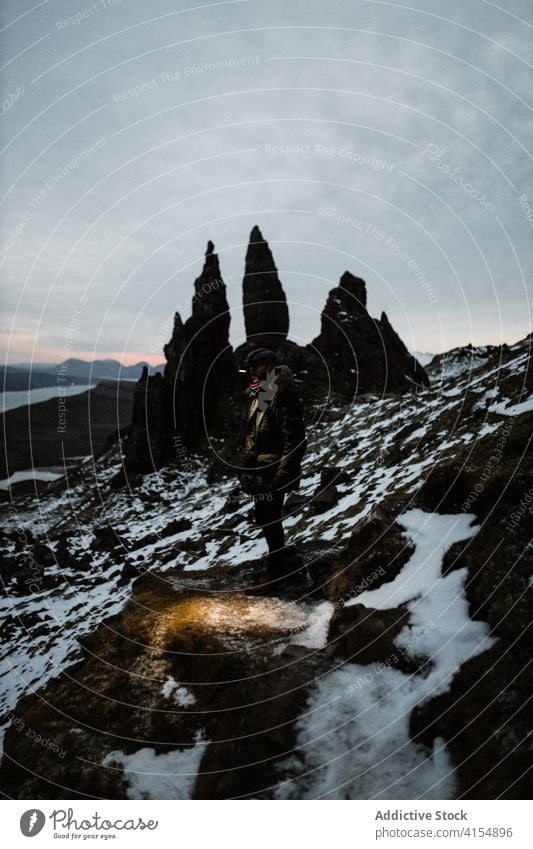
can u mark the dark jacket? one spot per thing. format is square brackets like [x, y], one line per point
[275, 440]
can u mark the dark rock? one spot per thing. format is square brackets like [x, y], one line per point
[323, 564]
[232, 522]
[23, 539]
[375, 553]
[63, 555]
[454, 558]
[129, 571]
[363, 354]
[176, 413]
[333, 475]
[43, 554]
[445, 489]
[529, 373]
[176, 526]
[147, 539]
[266, 315]
[190, 546]
[365, 635]
[324, 499]
[485, 718]
[85, 562]
[30, 579]
[327, 495]
[294, 502]
[200, 366]
[106, 539]
[233, 501]
[9, 564]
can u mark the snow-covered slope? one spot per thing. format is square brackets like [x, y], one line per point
[186, 523]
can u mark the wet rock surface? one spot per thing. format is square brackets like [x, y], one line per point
[236, 655]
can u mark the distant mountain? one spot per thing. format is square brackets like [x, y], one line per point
[423, 357]
[90, 370]
[16, 379]
[33, 439]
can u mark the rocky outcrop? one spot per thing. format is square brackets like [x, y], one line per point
[146, 444]
[266, 315]
[175, 413]
[200, 370]
[484, 715]
[363, 354]
[198, 401]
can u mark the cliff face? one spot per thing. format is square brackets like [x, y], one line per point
[199, 399]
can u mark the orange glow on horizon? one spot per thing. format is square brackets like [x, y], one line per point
[53, 355]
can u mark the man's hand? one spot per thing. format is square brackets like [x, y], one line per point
[252, 484]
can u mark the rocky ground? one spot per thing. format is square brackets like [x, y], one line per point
[145, 657]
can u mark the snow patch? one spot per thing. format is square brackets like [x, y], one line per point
[171, 689]
[315, 635]
[416, 434]
[354, 738]
[168, 776]
[514, 410]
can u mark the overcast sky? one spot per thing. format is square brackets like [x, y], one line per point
[389, 139]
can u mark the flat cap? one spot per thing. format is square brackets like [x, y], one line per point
[260, 355]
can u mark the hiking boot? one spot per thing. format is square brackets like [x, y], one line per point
[286, 567]
[283, 562]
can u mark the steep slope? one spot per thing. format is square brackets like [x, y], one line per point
[400, 674]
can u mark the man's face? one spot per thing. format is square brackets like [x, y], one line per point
[259, 370]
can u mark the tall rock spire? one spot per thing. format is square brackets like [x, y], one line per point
[174, 413]
[266, 315]
[205, 370]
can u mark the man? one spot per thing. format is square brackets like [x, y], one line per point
[273, 449]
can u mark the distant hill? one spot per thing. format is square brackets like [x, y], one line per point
[32, 437]
[15, 379]
[90, 370]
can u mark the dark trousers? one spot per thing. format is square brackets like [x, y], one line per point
[268, 507]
